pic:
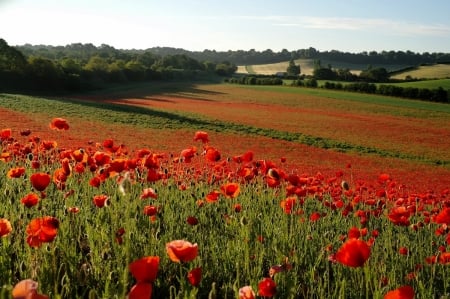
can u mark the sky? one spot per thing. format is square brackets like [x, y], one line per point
[345, 25]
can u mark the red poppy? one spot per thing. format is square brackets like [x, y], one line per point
[25, 132]
[148, 193]
[212, 196]
[16, 172]
[141, 290]
[150, 210]
[27, 289]
[5, 227]
[230, 190]
[267, 287]
[40, 181]
[195, 276]
[288, 204]
[212, 154]
[246, 292]
[237, 208]
[404, 292]
[444, 258]
[95, 182]
[384, 177]
[353, 253]
[181, 251]
[245, 158]
[42, 230]
[59, 124]
[403, 250]
[5, 134]
[188, 154]
[145, 269]
[314, 216]
[399, 216]
[202, 136]
[191, 220]
[354, 233]
[443, 217]
[30, 200]
[101, 200]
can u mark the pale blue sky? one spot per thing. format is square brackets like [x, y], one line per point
[344, 25]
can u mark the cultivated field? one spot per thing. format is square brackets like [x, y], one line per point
[177, 190]
[437, 71]
[307, 67]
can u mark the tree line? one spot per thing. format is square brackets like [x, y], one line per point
[245, 57]
[79, 67]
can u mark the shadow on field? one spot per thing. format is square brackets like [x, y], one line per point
[147, 117]
[150, 91]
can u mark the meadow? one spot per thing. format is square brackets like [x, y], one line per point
[170, 190]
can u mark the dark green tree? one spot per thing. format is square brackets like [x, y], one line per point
[293, 69]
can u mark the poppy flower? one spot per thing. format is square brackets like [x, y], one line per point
[444, 258]
[5, 227]
[27, 289]
[353, 253]
[16, 172]
[30, 200]
[95, 182]
[230, 190]
[40, 181]
[25, 132]
[244, 158]
[101, 200]
[191, 220]
[403, 250]
[288, 204]
[145, 269]
[5, 134]
[314, 216]
[42, 230]
[202, 136]
[443, 217]
[148, 193]
[188, 154]
[59, 124]
[181, 251]
[141, 290]
[404, 292]
[212, 154]
[399, 216]
[246, 292]
[212, 196]
[150, 210]
[195, 276]
[267, 287]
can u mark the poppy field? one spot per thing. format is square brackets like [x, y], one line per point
[201, 193]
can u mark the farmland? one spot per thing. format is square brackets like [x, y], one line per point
[340, 174]
[307, 67]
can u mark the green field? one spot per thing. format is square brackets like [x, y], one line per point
[307, 67]
[435, 71]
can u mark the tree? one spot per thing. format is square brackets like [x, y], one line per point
[293, 69]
